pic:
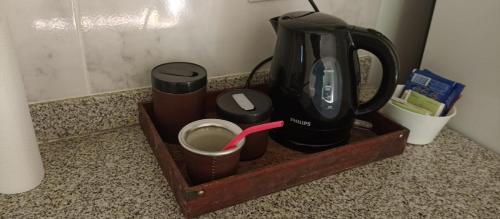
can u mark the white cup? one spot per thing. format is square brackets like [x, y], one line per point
[423, 128]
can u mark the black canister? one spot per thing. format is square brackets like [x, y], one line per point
[179, 91]
[247, 108]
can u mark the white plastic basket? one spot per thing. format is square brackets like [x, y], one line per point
[423, 129]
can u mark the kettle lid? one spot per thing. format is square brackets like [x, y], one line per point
[307, 20]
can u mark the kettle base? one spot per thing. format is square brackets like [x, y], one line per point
[307, 148]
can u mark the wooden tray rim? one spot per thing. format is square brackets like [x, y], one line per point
[402, 132]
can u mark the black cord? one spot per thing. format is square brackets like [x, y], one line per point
[250, 77]
[316, 9]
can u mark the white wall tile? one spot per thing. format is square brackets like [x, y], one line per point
[124, 39]
[48, 48]
[357, 12]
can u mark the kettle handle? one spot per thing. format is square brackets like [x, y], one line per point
[376, 43]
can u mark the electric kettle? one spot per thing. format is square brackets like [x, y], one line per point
[314, 79]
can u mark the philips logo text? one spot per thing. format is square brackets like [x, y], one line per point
[300, 122]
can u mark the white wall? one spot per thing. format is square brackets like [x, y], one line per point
[464, 45]
[70, 48]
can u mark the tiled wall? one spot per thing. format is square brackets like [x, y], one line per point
[70, 48]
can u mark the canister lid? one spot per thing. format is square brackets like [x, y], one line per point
[244, 106]
[178, 77]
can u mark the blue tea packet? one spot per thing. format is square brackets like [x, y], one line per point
[434, 86]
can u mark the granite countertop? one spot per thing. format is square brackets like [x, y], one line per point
[99, 165]
[114, 174]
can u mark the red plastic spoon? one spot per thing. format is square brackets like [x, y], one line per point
[258, 128]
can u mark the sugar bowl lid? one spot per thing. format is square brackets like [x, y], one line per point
[244, 106]
[178, 77]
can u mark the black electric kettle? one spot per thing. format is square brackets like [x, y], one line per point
[315, 77]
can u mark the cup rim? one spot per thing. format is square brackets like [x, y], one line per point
[451, 113]
[235, 129]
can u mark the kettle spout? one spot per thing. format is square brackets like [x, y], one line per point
[274, 22]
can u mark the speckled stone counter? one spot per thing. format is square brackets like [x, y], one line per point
[97, 168]
[113, 174]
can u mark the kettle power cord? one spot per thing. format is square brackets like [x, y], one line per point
[313, 4]
[255, 69]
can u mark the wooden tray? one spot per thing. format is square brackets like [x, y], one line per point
[278, 169]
